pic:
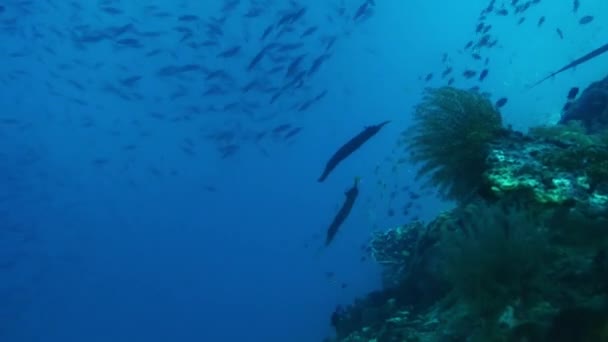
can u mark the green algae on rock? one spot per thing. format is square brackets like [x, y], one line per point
[572, 172]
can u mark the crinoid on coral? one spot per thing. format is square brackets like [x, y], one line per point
[450, 136]
[496, 257]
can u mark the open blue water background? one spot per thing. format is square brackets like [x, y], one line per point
[111, 230]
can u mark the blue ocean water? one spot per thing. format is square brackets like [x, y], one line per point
[159, 184]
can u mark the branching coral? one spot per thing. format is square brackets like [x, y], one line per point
[450, 136]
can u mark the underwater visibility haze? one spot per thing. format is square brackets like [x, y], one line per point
[266, 170]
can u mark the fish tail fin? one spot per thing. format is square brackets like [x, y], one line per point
[533, 85]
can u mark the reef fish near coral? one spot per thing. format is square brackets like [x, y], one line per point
[501, 102]
[351, 196]
[572, 93]
[571, 96]
[351, 146]
[576, 62]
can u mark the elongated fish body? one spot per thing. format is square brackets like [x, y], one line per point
[351, 146]
[576, 62]
[351, 196]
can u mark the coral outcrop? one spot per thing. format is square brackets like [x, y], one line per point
[591, 108]
[524, 258]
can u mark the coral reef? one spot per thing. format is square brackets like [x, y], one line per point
[449, 138]
[570, 168]
[497, 258]
[524, 258]
[591, 108]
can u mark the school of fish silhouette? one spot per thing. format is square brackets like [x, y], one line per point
[351, 194]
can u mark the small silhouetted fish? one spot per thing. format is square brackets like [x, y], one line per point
[267, 31]
[316, 64]
[428, 77]
[501, 102]
[490, 7]
[560, 33]
[469, 73]
[2, 8]
[362, 10]
[446, 72]
[570, 98]
[476, 56]
[575, 5]
[130, 81]
[541, 21]
[9, 121]
[100, 161]
[451, 81]
[484, 41]
[521, 20]
[233, 51]
[292, 133]
[281, 128]
[111, 10]
[502, 12]
[483, 75]
[256, 59]
[187, 17]
[572, 93]
[129, 42]
[153, 52]
[469, 44]
[309, 31]
[210, 188]
[586, 20]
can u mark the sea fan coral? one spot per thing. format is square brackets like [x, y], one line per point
[449, 138]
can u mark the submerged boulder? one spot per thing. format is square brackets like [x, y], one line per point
[550, 171]
[591, 108]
